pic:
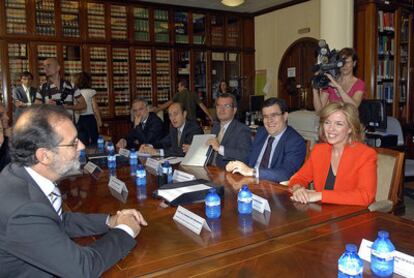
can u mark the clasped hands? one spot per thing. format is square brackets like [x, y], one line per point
[302, 195]
[130, 217]
[239, 167]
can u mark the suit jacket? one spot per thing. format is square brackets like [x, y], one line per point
[356, 177]
[287, 158]
[35, 242]
[18, 93]
[236, 142]
[170, 142]
[150, 134]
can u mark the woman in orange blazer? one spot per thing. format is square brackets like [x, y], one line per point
[342, 168]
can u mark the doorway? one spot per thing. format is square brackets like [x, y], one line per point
[295, 74]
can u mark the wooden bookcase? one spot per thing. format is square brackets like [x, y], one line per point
[131, 49]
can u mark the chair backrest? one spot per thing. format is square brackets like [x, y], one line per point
[389, 175]
[394, 127]
[306, 123]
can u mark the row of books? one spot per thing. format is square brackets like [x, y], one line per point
[385, 21]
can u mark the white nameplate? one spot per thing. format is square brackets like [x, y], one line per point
[260, 204]
[92, 169]
[152, 163]
[118, 189]
[181, 176]
[123, 152]
[403, 263]
[190, 220]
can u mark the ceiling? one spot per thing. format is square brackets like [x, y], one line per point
[249, 6]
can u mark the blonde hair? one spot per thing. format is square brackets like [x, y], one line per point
[352, 119]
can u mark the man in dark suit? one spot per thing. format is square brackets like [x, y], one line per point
[35, 234]
[278, 150]
[178, 140]
[233, 139]
[5, 134]
[24, 94]
[148, 128]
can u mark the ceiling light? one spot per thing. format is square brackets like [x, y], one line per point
[232, 3]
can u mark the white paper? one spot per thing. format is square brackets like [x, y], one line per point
[197, 154]
[124, 152]
[173, 160]
[180, 176]
[90, 167]
[403, 263]
[174, 193]
[291, 72]
[143, 154]
[117, 184]
[152, 163]
[260, 204]
[190, 220]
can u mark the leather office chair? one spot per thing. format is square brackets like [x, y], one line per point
[389, 175]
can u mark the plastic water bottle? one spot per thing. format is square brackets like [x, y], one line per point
[160, 177]
[133, 157]
[166, 172]
[350, 264]
[100, 144]
[170, 174]
[82, 157]
[245, 200]
[141, 176]
[111, 158]
[110, 148]
[382, 255]
[213, 204]
[141, 193]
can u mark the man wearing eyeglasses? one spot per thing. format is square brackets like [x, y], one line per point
[278, 150]
[233, 139]
[35, 233]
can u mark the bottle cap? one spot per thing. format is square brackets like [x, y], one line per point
[350, 247]
[383, 234]
[244, 187]
[212, 190]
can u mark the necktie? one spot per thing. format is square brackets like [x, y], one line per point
[178, 136]
[29, 101]
[219, 138]
[56, 200]
[142, 125]
[266, 156]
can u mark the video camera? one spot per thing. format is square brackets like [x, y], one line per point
[66, 90]
[328, 62]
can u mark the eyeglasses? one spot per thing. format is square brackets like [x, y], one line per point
[226, 106]
[271, 116]
[74, 144]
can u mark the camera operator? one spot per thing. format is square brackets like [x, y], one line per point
[345, 88]
[57, 90]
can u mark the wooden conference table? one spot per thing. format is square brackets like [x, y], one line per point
[293, 239]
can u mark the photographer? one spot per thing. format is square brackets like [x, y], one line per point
[58, 91]
[345, 87]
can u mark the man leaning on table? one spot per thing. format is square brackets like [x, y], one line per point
[180, 136]
[278, 150]
[35, 234]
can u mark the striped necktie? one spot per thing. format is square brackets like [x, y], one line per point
[56, 200]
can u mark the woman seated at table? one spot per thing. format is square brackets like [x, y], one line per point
[342, 168]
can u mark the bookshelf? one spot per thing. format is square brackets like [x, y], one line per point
[141, 24]
[119, 29]
[18, 61]
[70, 18]
[199, 28]
[98, 67]
[181, 27]
[143, 85]
[217, 30]
[96, 20]
[161, 26]
[163, 75]
[72, 60]
[45, 17]
[121, 91]
[200, 73]
[232, 31]
[44, 51]
[218, 62]
[16, 16]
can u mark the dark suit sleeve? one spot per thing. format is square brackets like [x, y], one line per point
[152, 133]
[15, 93]
[34, 236]
[81, 224]
[190, 130]
[294, 153]
[239, 146]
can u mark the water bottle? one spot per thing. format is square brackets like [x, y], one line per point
[82, 157]
[350, 264]
[245, 200]
[133, 170]
[213, 204]
[382, 255]
[141, 193]
[111, 157]
[160, 177]
[166, 172]
[133, 157]
[110, 148]
[141, 176]
[170, 174]
[100, 144]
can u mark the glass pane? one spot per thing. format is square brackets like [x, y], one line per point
[199, 28]
[118, 22]
[70, 18]
[141, 24]
[18, 61]
[161, 28]
[72, 60]
[43, 52]
[16, 16]
[99, 73]
[143, 74]
[217, 71]
[200, 77]
[404, 50]
[217, 30]
[183, 65]
[96, 20]
[45, 17]
[163, 71]
[120, 69]
[233, 71]
[181, 27]
[232, 31]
